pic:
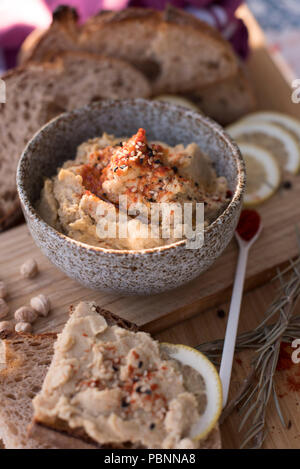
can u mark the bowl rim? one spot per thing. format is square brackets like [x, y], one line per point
[213, 126]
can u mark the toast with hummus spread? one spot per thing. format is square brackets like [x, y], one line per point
[112, 387]
[174, 50]
[35, 93]
[24, 362]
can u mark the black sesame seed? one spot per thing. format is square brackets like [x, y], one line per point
[140, 364]
[221, 313]
[115, 169]
[157, 161]
[150, 151]
[120, 144]
[152, 426]
[196, 184]
[175, 169]
[124, 403]
[287, 185]
[139, 389]
[115, 368]
[141, 160]
[123, 166]
[148, 391]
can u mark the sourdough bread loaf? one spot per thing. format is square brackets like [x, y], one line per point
[174, 50]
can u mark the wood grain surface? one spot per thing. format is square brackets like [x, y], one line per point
[276, 245]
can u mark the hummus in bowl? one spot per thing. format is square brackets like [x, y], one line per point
[86, 191]
[133, 270]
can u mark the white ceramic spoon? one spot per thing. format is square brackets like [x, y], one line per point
[234, 312]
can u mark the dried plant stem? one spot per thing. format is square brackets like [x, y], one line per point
[265, 339]
[249, 340]
[234, 402]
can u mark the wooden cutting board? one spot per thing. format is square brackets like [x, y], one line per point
[278, 243]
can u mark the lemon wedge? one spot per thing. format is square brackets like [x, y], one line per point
[212, 385]
[178, 101]
[263, 174]
[271, 137]
[285, 121]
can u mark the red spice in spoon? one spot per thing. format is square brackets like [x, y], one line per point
[248, 225]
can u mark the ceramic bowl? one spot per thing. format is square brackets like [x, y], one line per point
[140, 272]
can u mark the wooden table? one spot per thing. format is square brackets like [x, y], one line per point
[16, 245]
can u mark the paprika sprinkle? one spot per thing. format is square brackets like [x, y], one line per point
[285, 357]
[248, 224]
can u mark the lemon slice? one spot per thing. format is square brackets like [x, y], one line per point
[287, 122]
[273, 138]
[263, 174]
[178, 101]
[212, 383]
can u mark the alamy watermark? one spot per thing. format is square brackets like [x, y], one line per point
[2, 91]
[296, 353]
[156, 221]
[296, 93]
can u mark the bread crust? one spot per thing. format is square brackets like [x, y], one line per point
[58, 432]
[56, 438]
[153, 31]
[170, 15]
[226, 101]
[62, 438]
[64, 27]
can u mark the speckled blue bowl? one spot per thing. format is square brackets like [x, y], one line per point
[129, 272]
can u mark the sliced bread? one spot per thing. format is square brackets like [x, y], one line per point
[25, 364]
[174, 50]
[226, 101]
[60, 37]
[35, 93]
[47, 426]
[24, 361]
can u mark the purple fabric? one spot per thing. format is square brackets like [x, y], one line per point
[18, 18]
[239, 39]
